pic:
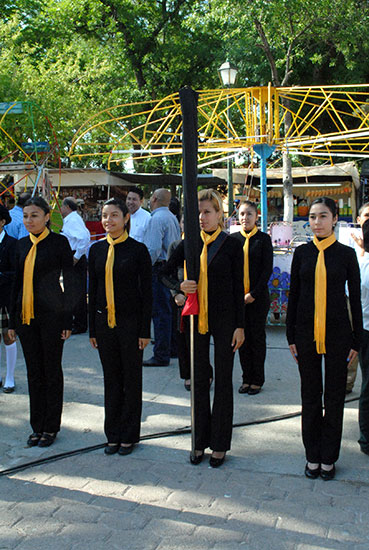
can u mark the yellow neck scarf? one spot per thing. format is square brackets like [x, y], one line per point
[320, 294]
[203, 281]
[246, 273]
[29, 265]
[109, 285]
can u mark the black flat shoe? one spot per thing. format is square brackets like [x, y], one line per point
[33, 439]
[196, 459]
[244, 388]
[46, 440]
[8, 389]
[123, 451]
[216, 462]
[327, 475]
[154, 363]
[111, 449]
[254, 391]
[312, 473]
[187, 385]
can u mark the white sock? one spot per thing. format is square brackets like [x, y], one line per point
[11, 359]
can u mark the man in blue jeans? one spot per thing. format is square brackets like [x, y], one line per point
[161, 230]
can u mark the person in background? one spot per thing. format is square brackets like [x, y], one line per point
[79, 239]
[318, 325]
[363, 257]
[162, 230]
[220, 293]
[41, 315]
[258, 266]
[16, 227]
[139, 217]
[352, 370]
[120, 315]
[7, 272]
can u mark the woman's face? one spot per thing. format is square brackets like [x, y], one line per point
[248, 217]
[113, 220]
[35, 219]
[321, 220]
[208, 216]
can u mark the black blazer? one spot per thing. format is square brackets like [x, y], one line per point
[54, 258]
[225, 282]
[7, 268]
[132, 286]
[260, 262]
[342, 266]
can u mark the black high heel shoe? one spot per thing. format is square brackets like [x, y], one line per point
[196, 459]
[216, 462]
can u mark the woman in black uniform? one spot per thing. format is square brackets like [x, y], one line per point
[220, 292]
[258, 266]
[119, 316]
[318, 324]
[41, 314]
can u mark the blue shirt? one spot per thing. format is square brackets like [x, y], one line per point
[161, 230]
[16, 227]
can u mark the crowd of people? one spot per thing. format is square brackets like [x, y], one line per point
[137, 274]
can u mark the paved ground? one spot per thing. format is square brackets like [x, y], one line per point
[154, 499]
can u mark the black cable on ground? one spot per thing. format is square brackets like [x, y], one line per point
[158, 435]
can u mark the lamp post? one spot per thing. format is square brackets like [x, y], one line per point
[228, 75]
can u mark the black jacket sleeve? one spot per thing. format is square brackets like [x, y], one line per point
[146, 291]
[92, 290]
[353, 281]
[266, 267]
[293, 297]
[169, 272]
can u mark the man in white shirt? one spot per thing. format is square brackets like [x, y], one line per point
[139, 217]
[79, 239]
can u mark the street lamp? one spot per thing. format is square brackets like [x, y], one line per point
[228, 76]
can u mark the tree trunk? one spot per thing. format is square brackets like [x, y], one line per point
[287, 178]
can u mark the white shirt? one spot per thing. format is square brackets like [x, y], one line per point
[77, 234]
[364, 275]
[139, 221]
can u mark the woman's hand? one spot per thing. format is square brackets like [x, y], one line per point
[12, 335]
[238, 338]
[65, 334]
[189, 287]
[351, 357]
[293, 351]
[180, 299]
[143, 342]
[249, 299]
[360, 242]
[93, 342]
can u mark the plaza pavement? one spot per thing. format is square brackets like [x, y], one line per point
[155, 499]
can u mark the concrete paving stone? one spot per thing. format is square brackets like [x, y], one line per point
[224, 532]
[9, 517]
[169, 527]
[68, 481]
[253, 519]
[189, 500]
[9, 538]
[264, 494]
[301, 527]
[224, 507]
[221, 488]
[106, 503]
[292, 483]
[131, 540]
[309, 498]
[193, 542]
[77, 531]
[244, 478]
[105, 487]
[147, 493]
[41, 509]
[283, 508]
[243, 545]
[326, 545]
[70, 512]
[44, 542]
[121, 521]
[269, 539]
[351, 533]
[355, 502]
[335, 487]
[330, 516]
[200, 517]
[30, 527]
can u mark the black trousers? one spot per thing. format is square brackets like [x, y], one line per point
[322, 430]
[253, 351]
[213, 426]
[43, 348]
[364, 395]
[122, 366]
[80, 281]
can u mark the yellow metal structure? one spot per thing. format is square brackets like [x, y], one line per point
[326, 122]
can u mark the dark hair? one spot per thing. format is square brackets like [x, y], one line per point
[362, 207]
[175, 208]
[329, 203]
[122, 206]
[23, 198]
[41, 203]
[4, 215]
[249, 203]
[136, 190]
[70, 203]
